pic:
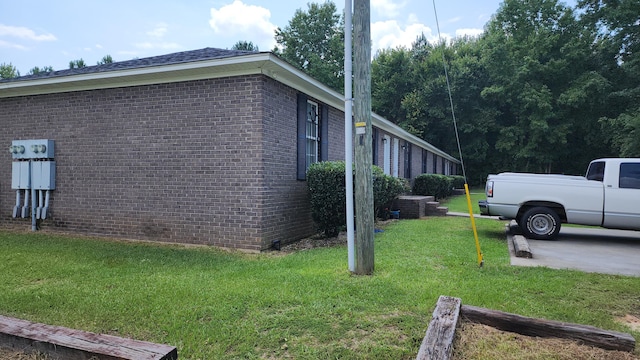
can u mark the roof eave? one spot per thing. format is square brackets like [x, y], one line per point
[206, 69]
[259, 63]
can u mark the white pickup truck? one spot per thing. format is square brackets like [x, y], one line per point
[608, 196]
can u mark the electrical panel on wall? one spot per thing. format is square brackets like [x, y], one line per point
[34, 171]
[32, 149]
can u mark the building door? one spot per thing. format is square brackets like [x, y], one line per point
[396, 156]
[387, 154]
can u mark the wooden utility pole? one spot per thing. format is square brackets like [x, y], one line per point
[362, 139]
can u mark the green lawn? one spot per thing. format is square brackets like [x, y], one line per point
[214, 304]
[459, 203]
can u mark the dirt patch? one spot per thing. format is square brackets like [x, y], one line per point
[10, 354]
[477, 341]
[320, 241]
[631, 321]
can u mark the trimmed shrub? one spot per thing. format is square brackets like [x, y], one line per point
[437, 185]
[458, 181]
[326, 184]
[385, 189]
[327, 191]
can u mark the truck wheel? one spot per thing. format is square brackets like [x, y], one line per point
[540, 223]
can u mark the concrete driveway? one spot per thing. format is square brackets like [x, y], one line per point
[587, 249]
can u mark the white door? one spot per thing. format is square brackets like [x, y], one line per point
[387, 155]
[395, 156]
[621, 198]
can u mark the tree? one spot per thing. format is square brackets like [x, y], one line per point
[539, 58]
[245, 45]
[77, 64]
[391, 82]
[8, 71]
[314, 42]
[618, 45]
[37, 70]
[107, 59]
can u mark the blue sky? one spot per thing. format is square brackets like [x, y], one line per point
[52, 33]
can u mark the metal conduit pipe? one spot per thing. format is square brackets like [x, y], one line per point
[25, 208]
[16, 209]
[34, 226]
[45, 209]
[40, 204]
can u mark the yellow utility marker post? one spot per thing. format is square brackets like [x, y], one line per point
[473, 225]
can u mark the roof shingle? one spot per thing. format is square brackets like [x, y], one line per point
[168, 59]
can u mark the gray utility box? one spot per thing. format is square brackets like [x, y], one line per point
[32, 149]
[43, 175]
[20, 175]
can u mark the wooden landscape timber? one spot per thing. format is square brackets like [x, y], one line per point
[589, 335]
[438, 341]
[69, 344]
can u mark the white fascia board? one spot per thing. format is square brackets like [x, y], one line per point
[387, 126]
[198, 70]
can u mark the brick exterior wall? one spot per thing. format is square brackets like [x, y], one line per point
[193, 162]
[203, 162]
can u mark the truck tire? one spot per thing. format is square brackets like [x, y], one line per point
[540, 223]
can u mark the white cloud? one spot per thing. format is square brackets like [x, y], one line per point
[159, 30]
[239, 21]
[10, 45]
[387, 8]
[390, 34]
[24, 33]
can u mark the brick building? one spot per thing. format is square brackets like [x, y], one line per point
[205, 147]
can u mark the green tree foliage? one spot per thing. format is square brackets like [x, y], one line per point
[245, 45]
[314, 42]
[539, 60]
[389, 73]
[40, 70]
[617, 25]
[528, 95]
[8, 71]
[107, 59]
[77, 64]
[417, 99]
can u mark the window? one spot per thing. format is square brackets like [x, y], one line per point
[424, 161]
[629, 176]
[596, 171]
[374, 145]
[435, 164]
[407, 160]
[313, 136]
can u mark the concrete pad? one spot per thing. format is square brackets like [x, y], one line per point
[597, 250]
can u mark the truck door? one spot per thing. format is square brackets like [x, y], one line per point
[622, 196]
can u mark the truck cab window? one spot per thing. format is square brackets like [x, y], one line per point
[629, 176]
[596, 171]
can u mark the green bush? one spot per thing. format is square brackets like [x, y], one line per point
[385, 189]
[458, 181]
[437, 185]
[326, 184]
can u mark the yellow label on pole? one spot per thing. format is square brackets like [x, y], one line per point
[361, 124]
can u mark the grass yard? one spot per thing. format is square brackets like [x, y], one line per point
[459, 203]
[214, 304]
